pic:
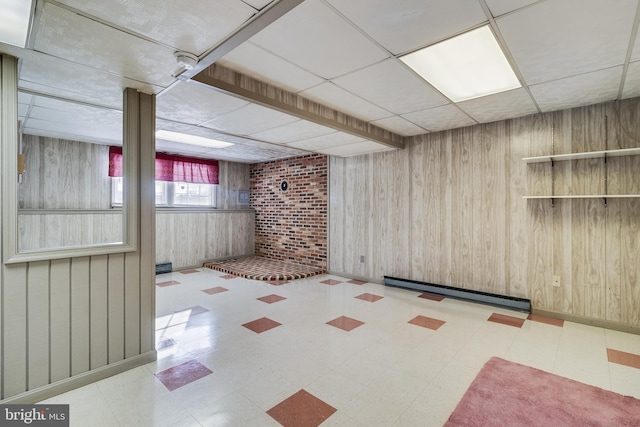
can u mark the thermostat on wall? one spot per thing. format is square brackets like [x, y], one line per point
[284, 186]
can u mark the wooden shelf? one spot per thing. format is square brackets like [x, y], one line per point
[582, 156]
[587, 196]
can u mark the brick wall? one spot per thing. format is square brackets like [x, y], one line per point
[292, 224]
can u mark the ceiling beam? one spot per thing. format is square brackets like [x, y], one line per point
[232, 83]
[259, 22]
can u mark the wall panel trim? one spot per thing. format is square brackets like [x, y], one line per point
[63, 386]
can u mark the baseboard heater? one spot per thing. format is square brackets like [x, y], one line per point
[164, 267]
[512, 303]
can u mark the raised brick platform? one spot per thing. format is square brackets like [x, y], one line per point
[260, 268]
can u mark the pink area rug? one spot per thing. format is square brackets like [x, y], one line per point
[509, 394]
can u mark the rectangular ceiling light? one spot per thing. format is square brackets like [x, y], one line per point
[191, 139]
[14, 24]
[465, 67]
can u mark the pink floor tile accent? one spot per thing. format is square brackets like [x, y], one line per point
[623, 358]
[431, 297]
[229, 276]
[270, 299]
[183, 374]
[261, 325]
[302, 409]
[506, 320]
[369, 297]
[168, 283]
[427, 322]
[547, 320]
[345, 323]
[330, 282]
[277, 282]
[356, 282]
[215, 290]
[189, 271]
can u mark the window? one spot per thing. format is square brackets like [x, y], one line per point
[172, 194]
[180, 181]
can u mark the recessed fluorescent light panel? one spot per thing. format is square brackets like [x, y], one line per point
[14, 24]
[465, 67]
[191, 139]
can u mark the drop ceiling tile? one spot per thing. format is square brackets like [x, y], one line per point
[69, 112]
[249, 120]
[440, 118]
[263, 65]
[632, 82]
[258, 4]
[397, 124]
[23, 109]
[195, 104]
[500, 7]
[57, 77]
[365, 147]
[327, 141]
[590, 88]
[169, 125]
[391, 86]
[319, 40]
[556, 39]
[86, 132]
[500, 106]
[190, 25]
[24, 98]
[339, 99]
[635, 53]
[301, 129]
[402, 26]
[171, 147]
[67, 35]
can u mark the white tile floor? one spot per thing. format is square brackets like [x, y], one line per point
[385, 372]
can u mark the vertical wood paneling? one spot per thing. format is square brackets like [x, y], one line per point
[630, 257]
[145, 115]
[518, 251]
[417, 218]
[442, 203]
[131, 305]
[80, 315]
[336, 213]
[481, 234]
[38, 325]
[14, 345]
[349, 207]
[98, 306]
[60, 319]
[116, 302]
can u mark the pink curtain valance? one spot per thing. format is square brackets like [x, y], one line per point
[172, 168]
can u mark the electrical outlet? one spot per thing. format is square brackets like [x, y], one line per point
[361, 258]
[556, 281]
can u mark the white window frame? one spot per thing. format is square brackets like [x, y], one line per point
[169, 193]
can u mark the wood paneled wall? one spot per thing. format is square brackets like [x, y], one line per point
[65, 322]
[234, 177]
[187, 238]
[449, 210]
[63, 174]
[73, 175]
[54, 229]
